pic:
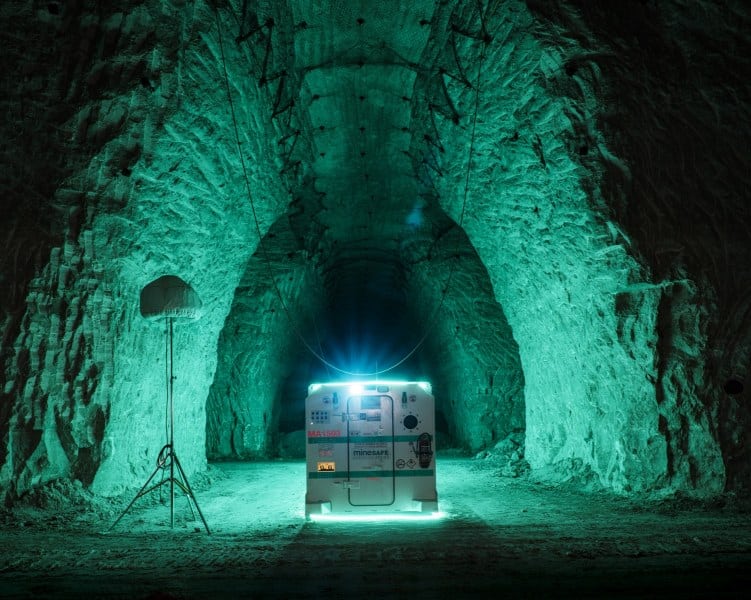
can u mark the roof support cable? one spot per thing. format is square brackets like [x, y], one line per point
[264, 251]
[444, 291]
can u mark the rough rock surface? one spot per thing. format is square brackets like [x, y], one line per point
[255, 346]
[84, 385]
[565, 181]
[558, 265]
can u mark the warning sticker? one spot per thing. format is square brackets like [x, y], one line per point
[326, 467]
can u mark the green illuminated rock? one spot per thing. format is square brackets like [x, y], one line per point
[541, 207]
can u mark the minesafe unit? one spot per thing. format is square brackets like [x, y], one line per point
[370, 448]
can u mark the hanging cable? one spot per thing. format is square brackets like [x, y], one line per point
[320, 346]
[433, 319]
[256, 222]
[167, 380]
[444, 292]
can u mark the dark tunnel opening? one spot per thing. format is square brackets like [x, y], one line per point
[367, 326]
[366, 310]
[362, 331]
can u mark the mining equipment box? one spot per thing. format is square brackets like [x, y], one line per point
[370, 448]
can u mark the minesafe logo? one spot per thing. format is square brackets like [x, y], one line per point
[383, 452]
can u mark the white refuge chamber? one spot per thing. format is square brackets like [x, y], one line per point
[370, 448]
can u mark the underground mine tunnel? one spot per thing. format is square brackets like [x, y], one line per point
[539, 207]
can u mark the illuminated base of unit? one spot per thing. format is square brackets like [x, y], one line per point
[376, 517]
[414, 510]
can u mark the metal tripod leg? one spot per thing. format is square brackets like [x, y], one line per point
[181, 482]
[188, 491]
[143, 491]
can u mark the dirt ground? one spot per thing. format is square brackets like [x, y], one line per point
[501, 537]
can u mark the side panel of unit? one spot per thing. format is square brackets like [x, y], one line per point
[370, 450]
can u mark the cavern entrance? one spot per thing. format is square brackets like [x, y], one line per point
[363, 312]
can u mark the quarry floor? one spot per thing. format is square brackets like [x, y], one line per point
[501, 537]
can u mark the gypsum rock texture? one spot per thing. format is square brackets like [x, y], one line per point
[154, 217]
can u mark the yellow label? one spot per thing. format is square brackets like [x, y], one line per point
[326, 466]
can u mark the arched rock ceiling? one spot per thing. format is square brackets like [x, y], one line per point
[358, 65]
[601, 192]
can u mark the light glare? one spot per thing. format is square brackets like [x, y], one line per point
[377, 518]
[425, 385]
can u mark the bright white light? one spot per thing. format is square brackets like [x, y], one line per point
[377, 518]
[355, 389]
[313, 387]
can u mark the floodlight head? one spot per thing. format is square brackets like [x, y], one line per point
[170, 296]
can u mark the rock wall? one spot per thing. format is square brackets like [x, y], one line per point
[85, 376]
[257, 347]
[593, 155]
[581, 300]
[675, 111]
[673, 115]
[477, 376]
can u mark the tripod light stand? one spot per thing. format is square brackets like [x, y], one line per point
[169, 297]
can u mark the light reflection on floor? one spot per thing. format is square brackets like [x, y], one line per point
[499, 536]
